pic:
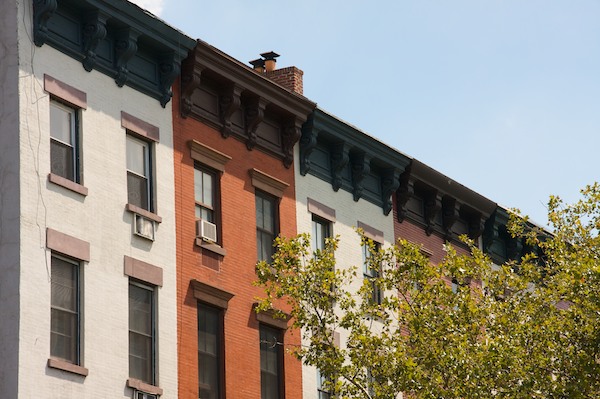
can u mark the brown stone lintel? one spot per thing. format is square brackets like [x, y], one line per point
[371, 232]
[139, 126]
[211, 295]
[65, 92]
[142, 271]
[208, 156]
[67, 245]
[320, 210]
[271, 318]
[268, 183]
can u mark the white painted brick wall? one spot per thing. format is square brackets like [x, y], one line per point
[100, 218]
[349, 252]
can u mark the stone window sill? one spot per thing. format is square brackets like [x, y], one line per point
[144, 387]
[209, 246]
[66, 366]
[142, 212]
[68, 184]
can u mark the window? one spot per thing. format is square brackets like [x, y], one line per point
[372, 273]
[65, 316]
[271, 363]
[370, 383]
[210, 351]
[323, 388]
[205, 187]
[321, 230]
[142, 326]
[139, 176]
[64, 141]
[454, 286]
[266, 224]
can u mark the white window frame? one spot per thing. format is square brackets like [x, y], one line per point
[74, 132]
[149, 177]
[153, 347]
[76, 265]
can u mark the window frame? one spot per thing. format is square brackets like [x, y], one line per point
[261, 231]
[324, 228]
[322, 392]
[65, 95]
[220, 349]
[214, 176]
[76, 268]
[148, 157]
[74, 132]
[278, 334]
[371, 274]
[153, 353]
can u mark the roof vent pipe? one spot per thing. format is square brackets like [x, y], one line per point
[258, 65]
[270, 60]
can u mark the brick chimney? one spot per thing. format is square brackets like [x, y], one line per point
[289, 77]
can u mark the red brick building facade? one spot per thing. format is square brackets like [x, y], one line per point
[234, 132]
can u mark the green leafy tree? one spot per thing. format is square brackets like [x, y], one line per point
[519, 330]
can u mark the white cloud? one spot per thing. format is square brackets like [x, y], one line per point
[154, 6]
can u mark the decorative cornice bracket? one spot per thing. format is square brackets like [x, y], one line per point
[405, 191]
[514, 248]
[432, 203]
[361, 166]
[390, 181]
[308, 142]
[255, 112]
[290, 133]
[191, 77]
[229, 103]
[476, 226]
[125, 49]
[169, 67]
[339, 160]
[42, 11]
[450, 214]
[94, 31]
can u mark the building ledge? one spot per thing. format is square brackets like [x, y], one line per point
[68, 184]
[209, 246]
[144, 387]
[142, 212]
[63, 365]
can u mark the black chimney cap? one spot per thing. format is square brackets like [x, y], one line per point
[271, 55]
[259, 62]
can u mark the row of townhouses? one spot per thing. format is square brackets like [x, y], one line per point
[142, 175]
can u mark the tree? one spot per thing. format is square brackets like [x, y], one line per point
[519, 330]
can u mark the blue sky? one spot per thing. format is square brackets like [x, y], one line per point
[502, 96]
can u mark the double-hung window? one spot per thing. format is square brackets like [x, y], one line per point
[323, 386]
[266, 224]
[64, 141]
[321, 231]
[65, 317]
[65, 111]
[210, 351]
[371, 272]
[139, 173]
[142, 332]
[271, 363]
[205, 190]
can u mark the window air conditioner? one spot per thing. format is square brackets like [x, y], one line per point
[143, 227]
[206, 230]
[144, 395]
